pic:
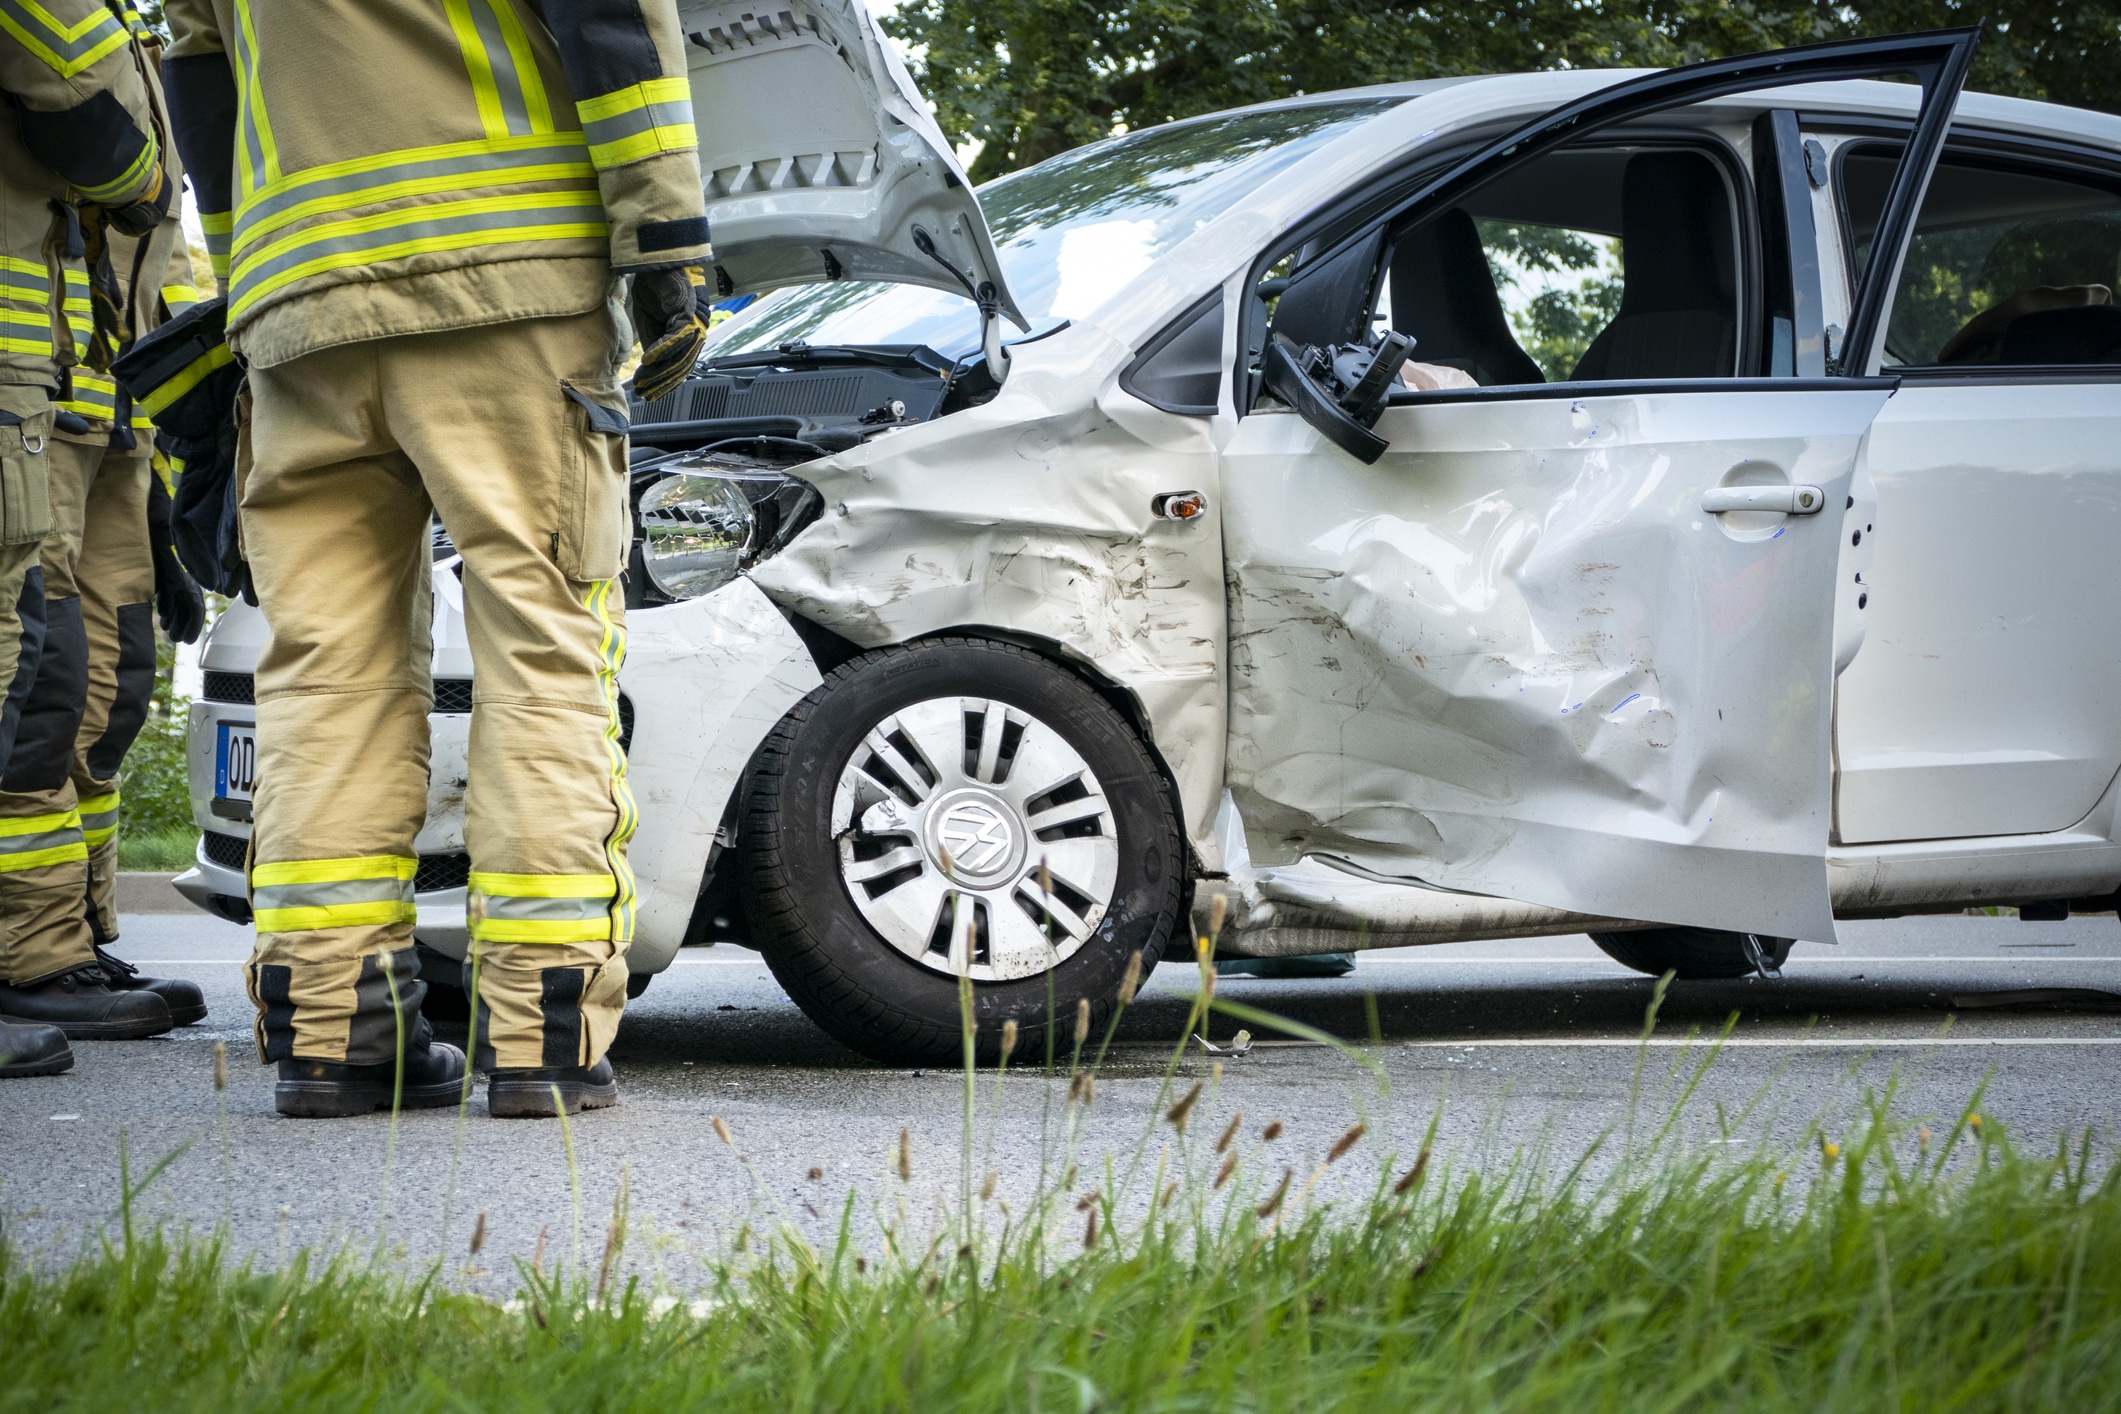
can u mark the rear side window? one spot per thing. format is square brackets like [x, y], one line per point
[2009, 265]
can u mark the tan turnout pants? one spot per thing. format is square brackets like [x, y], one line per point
[351, 448]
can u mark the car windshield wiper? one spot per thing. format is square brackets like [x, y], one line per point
[797, 354]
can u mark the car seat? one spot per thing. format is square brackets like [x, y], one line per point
[2089, 334]
[1444, 295]
[1678, 306]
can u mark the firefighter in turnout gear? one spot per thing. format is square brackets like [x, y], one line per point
[429, 216]
[86, 186]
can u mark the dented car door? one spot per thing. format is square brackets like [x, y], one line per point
[1568, 643]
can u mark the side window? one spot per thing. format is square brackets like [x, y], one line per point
[1584, 265]
[1616, 261]
[2010, 264]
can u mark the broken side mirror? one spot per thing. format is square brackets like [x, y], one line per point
[1341, 393]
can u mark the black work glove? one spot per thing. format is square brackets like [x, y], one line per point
[666, 319]
[179, 605]
[141, 217]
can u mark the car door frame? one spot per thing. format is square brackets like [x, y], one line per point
[1940, 59]
[1352, 223]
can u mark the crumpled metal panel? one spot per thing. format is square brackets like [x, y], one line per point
[1515, 658]
[1031, 515]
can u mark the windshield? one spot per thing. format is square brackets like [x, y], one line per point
[1070, 231]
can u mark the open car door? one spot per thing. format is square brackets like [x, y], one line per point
[821, 161]
[1567, 643]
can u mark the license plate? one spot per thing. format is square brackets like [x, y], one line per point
[236, 761]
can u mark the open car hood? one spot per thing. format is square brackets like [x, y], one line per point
[820, 159]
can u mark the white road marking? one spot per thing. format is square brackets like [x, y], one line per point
[1766, 1043]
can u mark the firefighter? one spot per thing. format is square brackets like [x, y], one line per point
[430, 221]
[83, 178]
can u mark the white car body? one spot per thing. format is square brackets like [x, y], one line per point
[1744, 761]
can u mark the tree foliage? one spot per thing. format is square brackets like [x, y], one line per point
[1030, 78]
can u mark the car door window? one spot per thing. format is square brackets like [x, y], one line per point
[2011, 263]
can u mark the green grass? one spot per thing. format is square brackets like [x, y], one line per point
[1874, 1269]
[158, 851]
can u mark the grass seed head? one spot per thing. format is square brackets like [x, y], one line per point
[1090, 1229]
[1346, 1142]
[905, 1156]
[986, 1187]
[1230, 1132]
[1218, 910]
[1008, 1038]
[1411, 1179]
[1133, 979]
[1272, 1132]
[220, 1065]
[1179, 1112]
[1082, 1020]
[1272, 1205]
[478, 1233]
[815, 1173]
[721, 1131]
[1229, 1166]
[861, 1264]
[1922, 1137]
[1082, 1088]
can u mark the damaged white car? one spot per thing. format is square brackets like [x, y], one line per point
[967, 651]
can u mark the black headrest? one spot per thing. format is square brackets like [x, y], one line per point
[2088, 334]
[1444, 295]
[1675, 231]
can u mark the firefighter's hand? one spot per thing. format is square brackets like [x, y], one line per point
[141, 217]
[179, 605]
[667, 320]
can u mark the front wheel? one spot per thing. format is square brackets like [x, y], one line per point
[1695, 954]
[956, 808]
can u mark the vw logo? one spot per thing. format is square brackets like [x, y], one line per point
[977, 835]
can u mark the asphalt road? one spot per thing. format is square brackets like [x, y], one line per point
[1516, 1047]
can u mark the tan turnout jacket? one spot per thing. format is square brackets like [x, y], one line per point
[368, 168]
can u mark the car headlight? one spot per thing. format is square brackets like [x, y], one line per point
[706, 518]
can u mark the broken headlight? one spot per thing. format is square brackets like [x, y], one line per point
[706, 517]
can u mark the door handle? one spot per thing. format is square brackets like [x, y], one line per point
[1788, 500]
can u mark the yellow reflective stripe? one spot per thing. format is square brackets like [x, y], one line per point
[16, 265]
[334, 915]
[483, 89]
[33, 347]
[405, 157]
[333, 871]
[645, 144]
[131, 182]
[179, 297]
[217, 226]
[42, 319]
[506, 235]
[545, 885]
[677, 89]
[411, 186]
[611, 655]
[65, 49]
[535, 105]
[158, 461]
[38, 824]
[93, 396]
[38, 859]
[99, 818]
[257, 160]
[510, 930]
[219, 356]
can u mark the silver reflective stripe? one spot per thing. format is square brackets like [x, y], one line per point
[339, 891]
[35, 26]
[23, 287]
[297, 190]
[101, 820]
[249, 92]
[300, 251]
[639, 120]
[542, 910]
[46, 839]
[508, 85]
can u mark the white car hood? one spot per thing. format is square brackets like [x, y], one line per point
[820, 159]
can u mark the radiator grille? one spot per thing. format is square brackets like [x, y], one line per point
[226, 850]
[231, 687]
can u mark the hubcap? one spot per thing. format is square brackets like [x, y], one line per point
[975, 839]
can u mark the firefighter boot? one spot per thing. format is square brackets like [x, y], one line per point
[534, 1093]
[321, 1089]
[29, 1049]
[80, 1002]
[186, 1003]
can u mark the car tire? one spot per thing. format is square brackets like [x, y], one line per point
[1695, 954]
[897, 1001]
